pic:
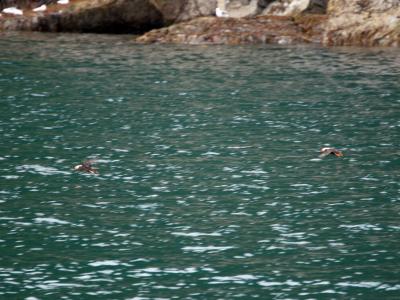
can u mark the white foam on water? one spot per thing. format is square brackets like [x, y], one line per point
[150, 270]
[83, 277]
[105, 263]
[256, 171]
[228, 169]
[120, 150]
[280, 227]
[329, 292]
[394, 227]
[315, 159]
[236, 278]
[294, 234]
[42, 170]
[148, 206]
[361, 284]
[101, 245]
[274, 283]
[160, 188]
[257, 187]
[195, 234]
[238, 147]
[11, 176]
[100, 160]
[368, 178]
[211, 153]
[301, 185]
[53, 284]
[189, 270]
[202, 249]
[295, 243]
[51, 221]
[269, 283]
[358, 227]
[106, 272]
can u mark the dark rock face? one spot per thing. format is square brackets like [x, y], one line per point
[134, 16]
[99, 16]
[104, 16]
[24, 3]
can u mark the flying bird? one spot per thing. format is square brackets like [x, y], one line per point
[330, 151]
[86, 166]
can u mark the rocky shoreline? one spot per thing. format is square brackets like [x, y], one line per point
[323, 22]
[256, 30]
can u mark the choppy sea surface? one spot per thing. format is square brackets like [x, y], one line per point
[210, 185]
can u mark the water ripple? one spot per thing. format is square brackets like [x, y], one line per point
[210, 183]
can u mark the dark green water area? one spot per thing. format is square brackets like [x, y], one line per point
[210, 183]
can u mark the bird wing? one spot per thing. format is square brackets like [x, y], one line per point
[325, 153]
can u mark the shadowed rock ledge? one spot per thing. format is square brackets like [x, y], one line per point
[232, 31]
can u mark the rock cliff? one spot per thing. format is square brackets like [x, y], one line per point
[102, 16]
[363, 23]
[327, 22]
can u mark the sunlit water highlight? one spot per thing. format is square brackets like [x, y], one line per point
[210, 183]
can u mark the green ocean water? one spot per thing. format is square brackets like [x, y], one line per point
[210, 183]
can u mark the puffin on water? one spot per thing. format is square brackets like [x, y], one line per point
[329, 150]
[86, 166]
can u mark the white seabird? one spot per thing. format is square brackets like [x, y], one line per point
[13, 11]
[40, 8]
[220, 13]
[62, 1]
